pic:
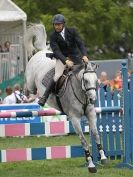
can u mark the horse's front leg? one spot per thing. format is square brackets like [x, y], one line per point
[91, 114]
[77, 126]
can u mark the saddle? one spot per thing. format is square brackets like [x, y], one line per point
[60, 85]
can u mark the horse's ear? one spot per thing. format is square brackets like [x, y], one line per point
[85, 66]
[94, 66]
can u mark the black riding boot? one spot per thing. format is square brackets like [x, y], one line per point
[48, 90]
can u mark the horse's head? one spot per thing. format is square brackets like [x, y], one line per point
[88, 80]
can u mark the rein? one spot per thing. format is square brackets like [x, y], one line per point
[86, 100]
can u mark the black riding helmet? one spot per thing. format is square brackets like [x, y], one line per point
[58, 18]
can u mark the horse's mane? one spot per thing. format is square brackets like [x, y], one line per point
[35, 38]
[78, 68]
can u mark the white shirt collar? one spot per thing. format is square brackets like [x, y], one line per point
[63, 33]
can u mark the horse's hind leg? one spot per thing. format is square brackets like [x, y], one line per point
[77, 126]
[93, 129]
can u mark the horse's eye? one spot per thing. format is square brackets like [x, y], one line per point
[86, 81]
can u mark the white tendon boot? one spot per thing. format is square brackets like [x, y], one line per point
[91, 166]
[103, 157]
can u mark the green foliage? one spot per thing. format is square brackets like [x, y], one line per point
[47, 20]
[31, 9]
[100, 22]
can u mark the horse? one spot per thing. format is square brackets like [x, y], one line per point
[77, 100]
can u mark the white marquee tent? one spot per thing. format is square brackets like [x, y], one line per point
[12, 20]
[12, 29]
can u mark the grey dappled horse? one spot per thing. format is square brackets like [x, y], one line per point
[77, 100]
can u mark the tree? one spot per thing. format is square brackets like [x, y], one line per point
[31, 9]
[100, 22]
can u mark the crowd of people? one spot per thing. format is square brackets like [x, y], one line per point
[5, 47]
[115, 83]
[15, 95]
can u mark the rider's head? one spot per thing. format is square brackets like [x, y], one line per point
[58, 22]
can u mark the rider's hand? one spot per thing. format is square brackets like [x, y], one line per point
[69, 63]
[85, 59]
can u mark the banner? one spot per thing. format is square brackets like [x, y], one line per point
[19, 107]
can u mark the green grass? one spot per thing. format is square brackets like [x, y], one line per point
[54, 168]
[26, 142]
[60, 168]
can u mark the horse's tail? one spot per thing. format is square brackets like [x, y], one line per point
[35, 39]
[28, 41]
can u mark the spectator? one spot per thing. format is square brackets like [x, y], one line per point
[20, 97]
[130, 53]
[103, 79]
[117, 81]
[10, 98]
[6, 47]
[14, 97]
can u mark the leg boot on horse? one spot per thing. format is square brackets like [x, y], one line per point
[103, 158]
[90, 164]
[48, 90]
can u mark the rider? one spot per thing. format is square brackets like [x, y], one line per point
[68, 50]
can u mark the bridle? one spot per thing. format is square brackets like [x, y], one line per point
[83, 80]
[87, 101]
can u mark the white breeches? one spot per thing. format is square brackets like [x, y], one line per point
[59, 69]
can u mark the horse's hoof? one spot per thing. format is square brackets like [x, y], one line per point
[104, 161]
[92, 169]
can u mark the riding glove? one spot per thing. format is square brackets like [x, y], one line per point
[69, 63]
[85, 59]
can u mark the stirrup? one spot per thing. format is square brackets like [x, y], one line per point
[42, 101]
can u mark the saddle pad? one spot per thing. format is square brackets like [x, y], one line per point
[60, 87]
[48, 77]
